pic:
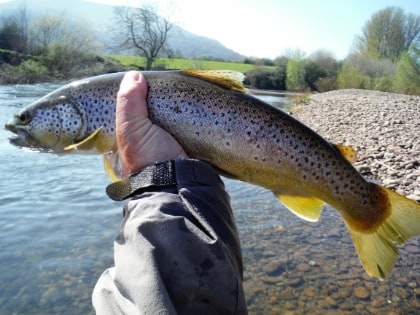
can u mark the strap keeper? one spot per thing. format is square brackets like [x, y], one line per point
[161, 174]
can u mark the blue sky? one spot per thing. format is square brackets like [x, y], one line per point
[268, 28]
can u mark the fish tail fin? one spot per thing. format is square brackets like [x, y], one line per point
[376, 246]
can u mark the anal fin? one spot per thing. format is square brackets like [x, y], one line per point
[307, 208]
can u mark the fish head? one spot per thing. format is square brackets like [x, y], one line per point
[48, 125]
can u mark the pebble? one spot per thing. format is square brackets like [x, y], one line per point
[312, 268]
[385, 127]
[361, 293]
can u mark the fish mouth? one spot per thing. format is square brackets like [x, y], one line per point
[22, 139]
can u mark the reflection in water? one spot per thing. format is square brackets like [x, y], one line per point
[58, 228]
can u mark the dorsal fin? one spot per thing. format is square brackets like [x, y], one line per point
[348, 152]
[226, 78]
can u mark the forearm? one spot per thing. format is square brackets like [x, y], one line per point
[177, 251]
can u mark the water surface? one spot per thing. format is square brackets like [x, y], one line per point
[57, 228]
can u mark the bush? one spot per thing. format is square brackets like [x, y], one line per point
[326, 84]
[269, 79]
[366, 73]
[407, 79]
[349, 77]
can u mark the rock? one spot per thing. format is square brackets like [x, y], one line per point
[414, 197]
[361, 293]
[275, 267]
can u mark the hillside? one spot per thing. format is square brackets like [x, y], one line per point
[182, 42]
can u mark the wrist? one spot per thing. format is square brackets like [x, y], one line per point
[134, 166]
[158, 175]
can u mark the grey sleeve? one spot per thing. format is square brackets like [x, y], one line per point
[177, 252]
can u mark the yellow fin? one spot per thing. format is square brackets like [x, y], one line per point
[377, 249]
[348, 152]
[84, 141]
[226, 78]
[109, 168]
[307, 208]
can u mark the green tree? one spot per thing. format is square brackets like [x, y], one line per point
[407, 79]
[295, 72]
[142, 29]
[388, 33]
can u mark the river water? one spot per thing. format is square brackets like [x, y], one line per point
[57, 229]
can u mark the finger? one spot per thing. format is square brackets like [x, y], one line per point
[131, 98]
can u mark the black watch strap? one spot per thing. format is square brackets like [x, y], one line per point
[161, 174]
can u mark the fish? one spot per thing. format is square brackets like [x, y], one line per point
[211, 115]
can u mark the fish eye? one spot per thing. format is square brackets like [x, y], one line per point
[24, 117]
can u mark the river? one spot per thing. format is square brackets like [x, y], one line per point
[57, 229]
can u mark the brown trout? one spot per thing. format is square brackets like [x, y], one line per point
[214, 120]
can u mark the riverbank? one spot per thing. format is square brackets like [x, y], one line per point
[383, 127]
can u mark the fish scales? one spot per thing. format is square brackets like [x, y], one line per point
[241, 136]
[250, 138]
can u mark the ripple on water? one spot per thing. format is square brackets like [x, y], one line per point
[57, 229]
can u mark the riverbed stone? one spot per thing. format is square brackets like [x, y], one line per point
[384, 130]
[361, 293]
[284, 280]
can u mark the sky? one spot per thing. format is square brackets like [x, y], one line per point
[270, 28]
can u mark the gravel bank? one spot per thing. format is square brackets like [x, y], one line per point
[383, 127]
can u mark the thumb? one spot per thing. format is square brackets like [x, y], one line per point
[131, 98]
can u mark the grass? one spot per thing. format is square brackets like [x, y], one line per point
[178, 63]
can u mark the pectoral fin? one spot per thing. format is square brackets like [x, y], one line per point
[112, 165]
[307, 208]
[90, 138]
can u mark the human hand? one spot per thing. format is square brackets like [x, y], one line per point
[140, 142]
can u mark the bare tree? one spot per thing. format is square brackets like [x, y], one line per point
[65, 45]
[144, 30]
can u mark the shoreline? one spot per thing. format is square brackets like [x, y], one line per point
[275, 92]
[383, 127]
